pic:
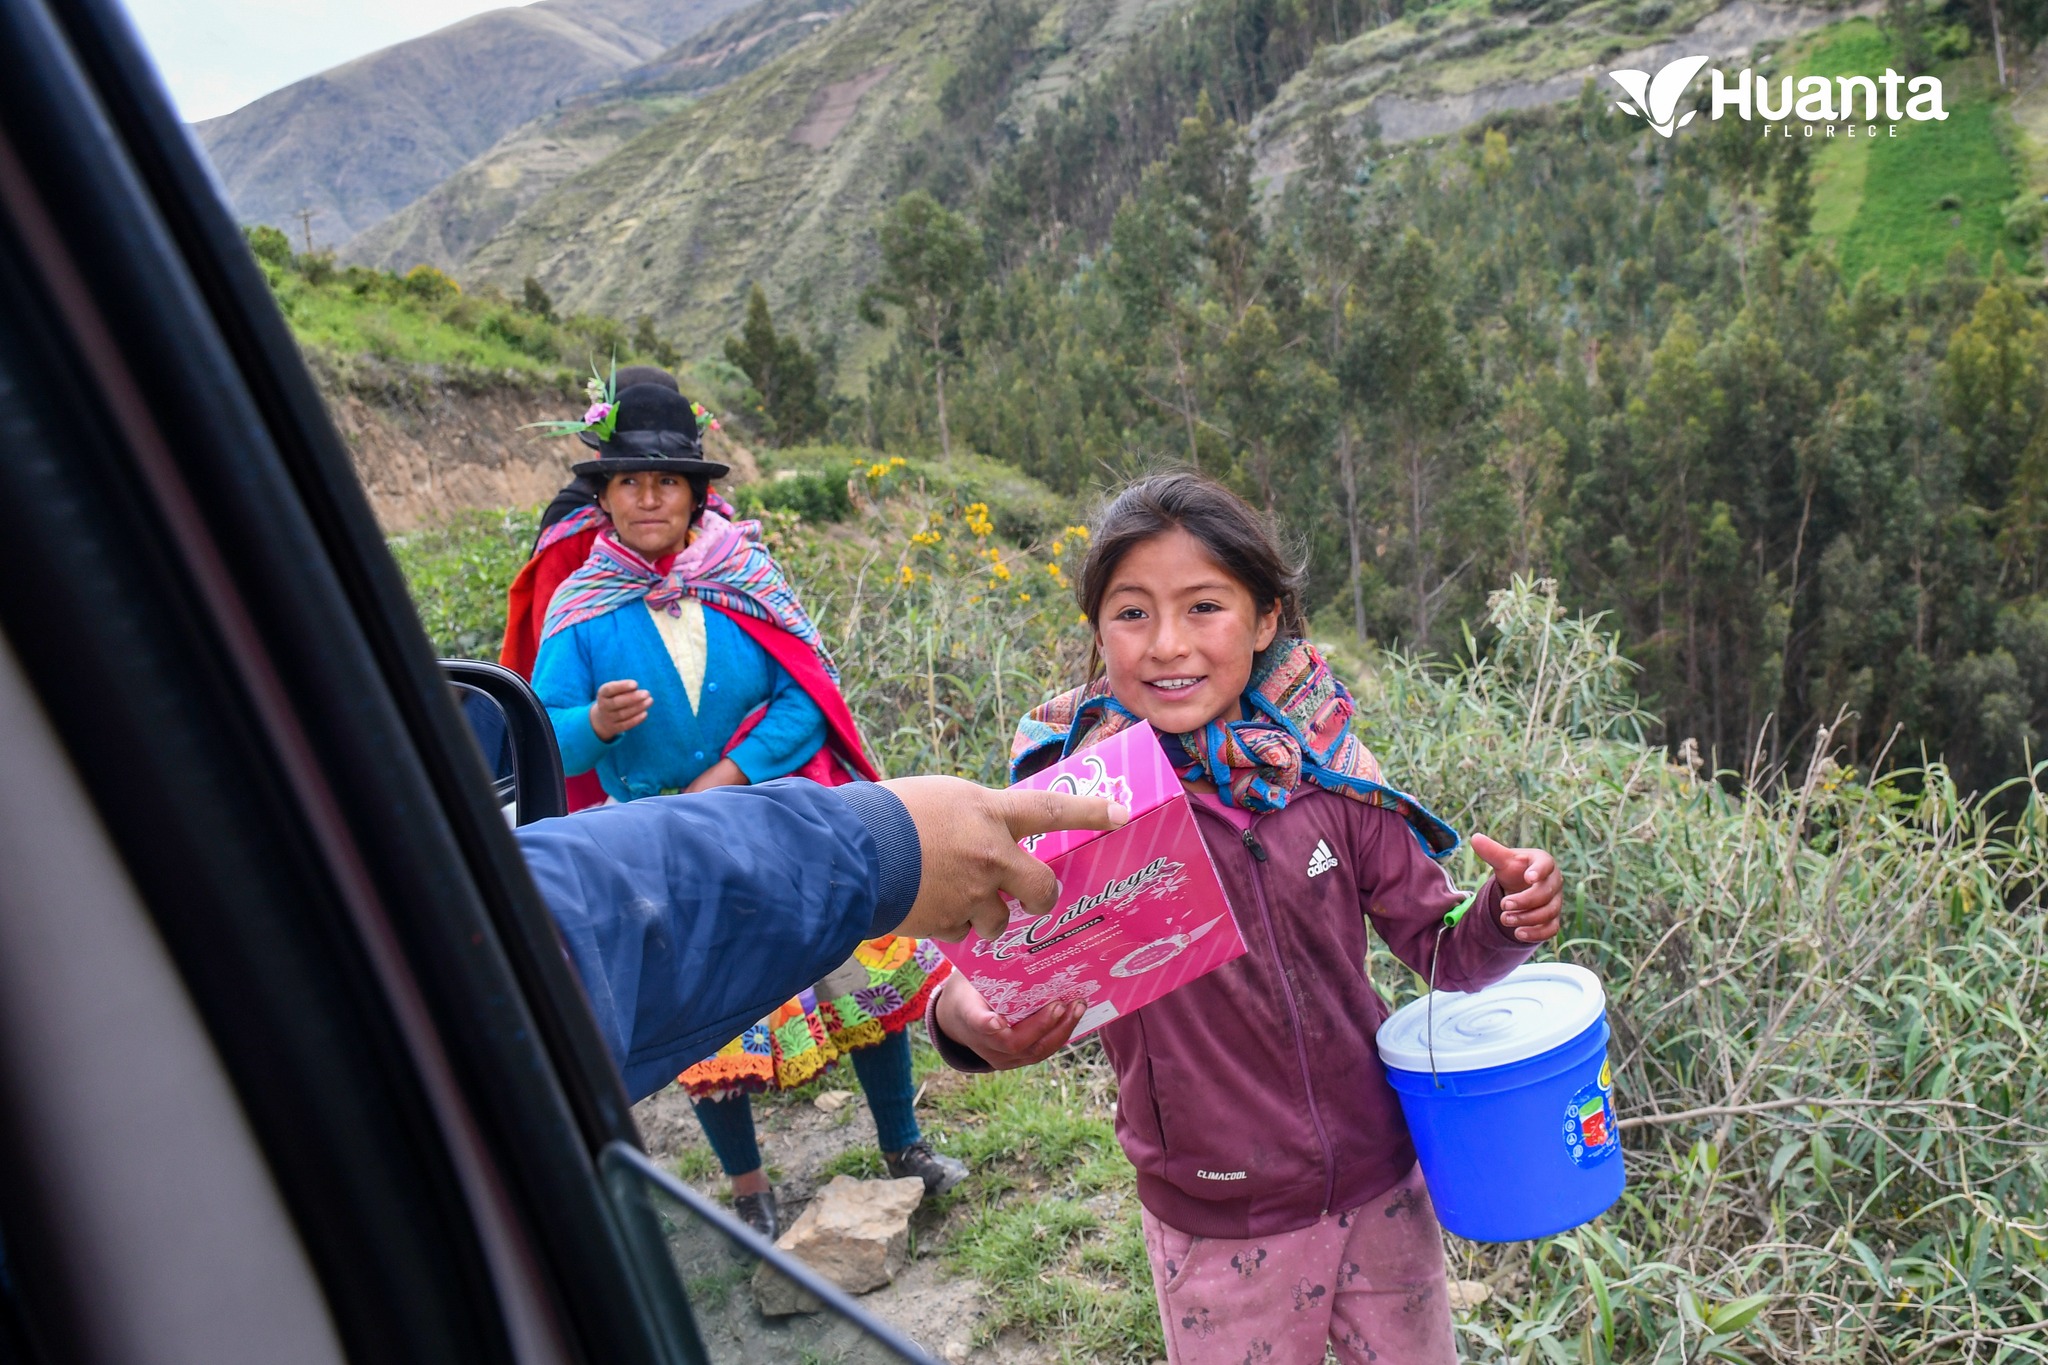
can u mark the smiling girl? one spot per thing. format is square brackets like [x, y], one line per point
[1283, 1210]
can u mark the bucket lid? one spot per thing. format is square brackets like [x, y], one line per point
[1535, 1008]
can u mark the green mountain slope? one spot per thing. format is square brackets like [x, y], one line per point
[779, 176]
[358, 142]
[1452, 65]
[1891, 204]
[446, 225]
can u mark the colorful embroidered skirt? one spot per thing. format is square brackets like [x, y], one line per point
[880, 990]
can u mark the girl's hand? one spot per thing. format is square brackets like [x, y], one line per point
[724, 773]
[966, 1018]
[619, 707]
[1533, 909]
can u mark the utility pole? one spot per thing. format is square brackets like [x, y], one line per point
[306, 214]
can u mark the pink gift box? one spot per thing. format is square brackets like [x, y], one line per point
[1140, 911]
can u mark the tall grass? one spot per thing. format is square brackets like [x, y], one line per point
[1827, 998]
[1828, 992]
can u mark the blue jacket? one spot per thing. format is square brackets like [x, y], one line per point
[690, 917]
[677, 740]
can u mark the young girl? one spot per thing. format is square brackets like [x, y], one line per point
[1282, 1207]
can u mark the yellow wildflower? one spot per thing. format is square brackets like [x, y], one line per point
[1059, 547]
[909, 576]
[1023, 597]
[1078, 531]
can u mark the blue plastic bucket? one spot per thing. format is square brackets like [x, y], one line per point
[1513, 1117]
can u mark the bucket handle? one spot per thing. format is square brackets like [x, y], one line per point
[1429, 1010]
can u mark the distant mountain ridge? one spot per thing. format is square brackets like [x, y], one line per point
[446, 225]
[361, 141]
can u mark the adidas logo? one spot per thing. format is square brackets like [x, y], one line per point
[1322, 860]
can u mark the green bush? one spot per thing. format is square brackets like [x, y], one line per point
[2025, 219]
[269, 244]
[1949, 42]
[458, 573]
[430, 285]
[817, 495]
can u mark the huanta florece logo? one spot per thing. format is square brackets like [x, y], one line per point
[1657, 99]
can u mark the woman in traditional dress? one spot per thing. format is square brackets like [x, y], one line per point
[568, 526]
[678, 658]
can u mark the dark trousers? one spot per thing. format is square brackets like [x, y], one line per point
[884, 1072]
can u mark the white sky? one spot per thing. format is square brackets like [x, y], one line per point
[217, 55]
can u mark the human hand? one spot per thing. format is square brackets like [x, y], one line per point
[966, 1018]
[724, 773]
[1533, 909]
[969, 835]
[619, 707]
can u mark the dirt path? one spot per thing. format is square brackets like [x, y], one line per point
[930, 1304]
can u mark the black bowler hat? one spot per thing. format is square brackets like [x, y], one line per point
[656, 430]
[626, 379]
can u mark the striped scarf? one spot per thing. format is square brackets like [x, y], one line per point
[1300, 727]
[725, 565]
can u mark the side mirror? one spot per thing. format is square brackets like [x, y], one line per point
[515, 737]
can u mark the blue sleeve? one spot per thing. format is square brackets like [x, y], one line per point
[791, 730]
[690, 917]
[563, 682]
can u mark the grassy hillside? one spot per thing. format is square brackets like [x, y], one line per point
[778, 177]
[1447, 65]
[1833, 1091]
[445, 226]
[1892, 204]
[366, 138]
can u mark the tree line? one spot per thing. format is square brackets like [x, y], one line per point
[1560, 347]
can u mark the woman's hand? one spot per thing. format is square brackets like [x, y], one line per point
[724, 773]
[619, 707]
[1533, 909]
[966, 1018]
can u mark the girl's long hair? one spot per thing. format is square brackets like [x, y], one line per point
[1240, 538]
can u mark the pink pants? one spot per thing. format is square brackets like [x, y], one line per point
[1369, 1283]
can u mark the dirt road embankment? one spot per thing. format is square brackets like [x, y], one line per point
[432, 440]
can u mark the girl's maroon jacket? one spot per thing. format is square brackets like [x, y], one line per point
[1252, 1100]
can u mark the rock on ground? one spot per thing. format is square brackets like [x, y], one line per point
[856, 1233]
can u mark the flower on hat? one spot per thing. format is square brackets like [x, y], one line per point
[603, 415]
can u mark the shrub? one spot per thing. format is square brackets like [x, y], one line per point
[2025, 219]
[535, 300]
[815, 495]
[458, 573]
[269, 244]
[426, 283]
[1950, 41]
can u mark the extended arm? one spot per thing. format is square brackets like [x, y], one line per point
[690, 917]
